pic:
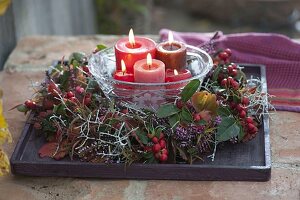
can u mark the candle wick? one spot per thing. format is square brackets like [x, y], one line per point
[123, 73]
[149, 67]
[171, 47]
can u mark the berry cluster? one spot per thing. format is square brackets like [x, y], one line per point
[159, 147]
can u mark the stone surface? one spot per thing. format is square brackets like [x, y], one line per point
[284, 130]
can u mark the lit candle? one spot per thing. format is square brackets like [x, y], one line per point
[149, 71]
[132, 49]
[172, 53]
[122, 75]
[172, 75]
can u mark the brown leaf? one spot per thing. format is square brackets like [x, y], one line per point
[48, 149]
[205, 101]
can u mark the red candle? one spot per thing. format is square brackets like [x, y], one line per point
[122, 75]
[149, 71]
[172, 75]
[132, 49]
[172, 53]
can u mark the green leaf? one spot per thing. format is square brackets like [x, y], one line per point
[47, 126]
[241, 133]
[216, 73]
[76, 56]
[22, 108]
[142, 136]
[64, 80]
[59, 109]
[182, 153]
[174, 120]
[101, 47]
[223, 111]
[186, 115]
[189, 90]
[201, 122]
[227, 129]
[167, 110]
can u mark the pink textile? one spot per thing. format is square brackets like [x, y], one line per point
[280, 54]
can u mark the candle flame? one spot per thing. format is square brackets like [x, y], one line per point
[131, 37]
[175, 72]
[149, 59]
[123, 66]
[170, 38]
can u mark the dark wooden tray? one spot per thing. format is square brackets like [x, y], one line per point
[242, 162]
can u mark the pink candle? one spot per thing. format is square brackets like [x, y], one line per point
[174, 75]
[172, 53]
[122, 75]
[149, 71]
[132, 49]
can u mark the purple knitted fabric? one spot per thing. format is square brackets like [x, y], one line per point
[280, 54]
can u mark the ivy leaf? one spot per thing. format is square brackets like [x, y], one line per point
[167, 110]
[189, 90]
[101, 47]
[142, 136]
[227, 129]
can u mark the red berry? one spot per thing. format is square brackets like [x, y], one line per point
[74, 99]
[232, 105]
[85, 69]
[37, 126]
[224, 82]
[230, 80]
[228, 51]
[79, 89]
[242, 114]
[28, 104]
[197, 117]
[156, 148]
[87, 101]
[179, 104]
[124, 111]
[147, 148]
[162, 143]
[223, 56]
[53, 89]
[42, 114]
[234, 66]
[229, 68]
[235, 85]
[157, 155]
[239, 107]
[249, 120]
[161, 135]
[164, 151]
[70, 94]
[245, 101]
[250, 126]
[163, 157]
[155, 140]
[254, 130]
[233, 72]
